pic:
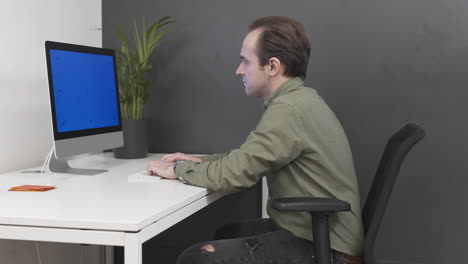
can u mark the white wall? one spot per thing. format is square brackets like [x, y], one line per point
[25, 127]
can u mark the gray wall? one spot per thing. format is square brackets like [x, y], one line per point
[379, 65]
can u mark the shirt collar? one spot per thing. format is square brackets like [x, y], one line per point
[288, 86]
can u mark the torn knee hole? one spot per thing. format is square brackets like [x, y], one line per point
[253, 244]
[208, 248]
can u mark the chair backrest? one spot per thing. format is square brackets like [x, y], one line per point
[379, 194]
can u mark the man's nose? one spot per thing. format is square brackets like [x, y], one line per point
[239, 71]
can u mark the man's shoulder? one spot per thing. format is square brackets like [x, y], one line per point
[299, 97]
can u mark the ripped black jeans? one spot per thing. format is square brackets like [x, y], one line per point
[252, 242]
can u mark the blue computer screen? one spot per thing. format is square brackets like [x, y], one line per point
[84, 90]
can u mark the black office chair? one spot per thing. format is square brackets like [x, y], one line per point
[320, 208]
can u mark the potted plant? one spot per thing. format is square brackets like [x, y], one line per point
[132, 67]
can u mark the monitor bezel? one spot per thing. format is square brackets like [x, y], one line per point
[83, 49]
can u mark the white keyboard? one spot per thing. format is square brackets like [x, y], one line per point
[143, 176]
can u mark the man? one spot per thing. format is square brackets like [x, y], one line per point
[299, 144]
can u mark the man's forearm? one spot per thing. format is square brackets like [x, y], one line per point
[213, 157]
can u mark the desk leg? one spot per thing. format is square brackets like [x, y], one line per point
[109, 254]
[133, 249]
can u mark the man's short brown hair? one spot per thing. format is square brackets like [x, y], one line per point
[285, 39]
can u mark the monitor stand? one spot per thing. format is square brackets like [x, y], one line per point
[61, 166]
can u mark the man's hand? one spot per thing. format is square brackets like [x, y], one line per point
[179, 156]
[164, 169]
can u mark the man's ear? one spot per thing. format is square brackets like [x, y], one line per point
[275, 66]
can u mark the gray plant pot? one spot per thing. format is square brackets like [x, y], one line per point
[135, 140]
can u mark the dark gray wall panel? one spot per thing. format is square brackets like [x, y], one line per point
[379, 64]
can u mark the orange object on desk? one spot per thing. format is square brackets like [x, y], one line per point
[31, 188]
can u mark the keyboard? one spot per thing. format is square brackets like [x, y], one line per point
[143, 176]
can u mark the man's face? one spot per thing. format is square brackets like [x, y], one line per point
[254, 76]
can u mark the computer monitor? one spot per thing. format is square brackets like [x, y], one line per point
[84, 101]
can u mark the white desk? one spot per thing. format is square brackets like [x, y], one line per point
[105, 209]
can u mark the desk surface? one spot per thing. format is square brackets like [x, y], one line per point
[107, 201]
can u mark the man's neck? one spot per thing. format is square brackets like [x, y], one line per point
[276, 83]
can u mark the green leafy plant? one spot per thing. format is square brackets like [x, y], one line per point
[133, 64]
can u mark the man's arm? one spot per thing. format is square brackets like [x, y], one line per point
[165, 166]
[275, 142]
[213, 157]
[173, 157]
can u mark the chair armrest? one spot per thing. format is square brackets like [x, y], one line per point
[319, 209]
[310, 204]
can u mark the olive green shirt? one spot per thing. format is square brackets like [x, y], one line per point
[302, 149]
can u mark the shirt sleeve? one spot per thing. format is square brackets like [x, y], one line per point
[214, 156]
[276, 141]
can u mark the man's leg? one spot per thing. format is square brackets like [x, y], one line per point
[278, 247]
[246, 228]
